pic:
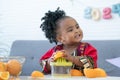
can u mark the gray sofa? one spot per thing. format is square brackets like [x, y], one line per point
[34, 49]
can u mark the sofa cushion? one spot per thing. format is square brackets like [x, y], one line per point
[34, 49]
[107, 49]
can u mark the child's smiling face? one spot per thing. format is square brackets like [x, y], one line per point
[69, 31]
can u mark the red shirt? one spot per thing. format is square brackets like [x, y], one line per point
[89, 50]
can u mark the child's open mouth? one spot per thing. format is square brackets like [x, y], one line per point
[77, 36]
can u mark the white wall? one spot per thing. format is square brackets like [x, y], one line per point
[20, 20]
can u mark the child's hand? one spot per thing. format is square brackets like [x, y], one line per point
[58, 54]
[51, 59]
[55, 56]
[64, 54]
[67, 56]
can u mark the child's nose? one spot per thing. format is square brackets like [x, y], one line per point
[77, 30]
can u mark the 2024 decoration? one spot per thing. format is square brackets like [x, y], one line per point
[95, 14]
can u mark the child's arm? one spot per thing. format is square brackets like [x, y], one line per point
[44, 61]
[88, 60]
[74, 59]
[81, 61]
[91, 53]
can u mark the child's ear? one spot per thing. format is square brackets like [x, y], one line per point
[59, 38]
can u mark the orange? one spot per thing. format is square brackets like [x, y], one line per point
[37, 74]
[90, 73]
[58, 55]
[4, 75]
[75, 72]
[93, 73]
[14, 67]
[100, 72]
[3, 66]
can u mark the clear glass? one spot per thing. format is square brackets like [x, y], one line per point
[61, 68]
[20, 59]
[60, 71]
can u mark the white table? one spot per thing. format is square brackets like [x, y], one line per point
[48, 77]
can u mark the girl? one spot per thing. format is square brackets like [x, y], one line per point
[67, 34]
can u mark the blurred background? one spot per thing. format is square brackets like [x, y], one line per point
[21, 19]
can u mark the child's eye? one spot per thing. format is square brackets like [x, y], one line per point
[70, 30]
[77, 26]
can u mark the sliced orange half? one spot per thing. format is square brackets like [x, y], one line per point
[3, 66]
[58, 55]
[101, 72]
[75, 72]
[4, 75]
[37, 74]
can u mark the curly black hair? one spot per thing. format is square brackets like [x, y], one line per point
[49, 24]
